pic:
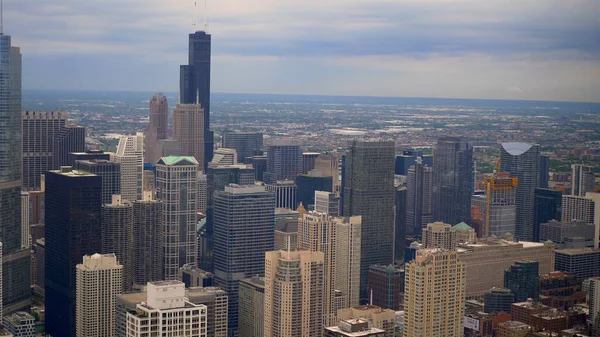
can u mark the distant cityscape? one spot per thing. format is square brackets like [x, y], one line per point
[206, 214]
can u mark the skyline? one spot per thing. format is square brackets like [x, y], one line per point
[432, 48]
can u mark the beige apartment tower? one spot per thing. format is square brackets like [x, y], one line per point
[99, 280]
[434, 294]
[439, 235]
[130, 153]
[188, 130]
[293, 294]
[157, 126]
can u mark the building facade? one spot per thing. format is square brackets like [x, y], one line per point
[20, 324]
[117, 236]
[285, 193]
[498, 299]
[386, 287]
[147, 240]
[547, 206]
[439, 235]
[582, 179]
[500, 213]
[584, 262]
[216, 301]
[251, 307]
[246, 144]
[130, 153]
[419, 194]
[577, 208]
[522, 279]
[284, 160]
[158, 122]
[109, 171]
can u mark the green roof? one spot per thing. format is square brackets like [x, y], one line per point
[462, 226]
[172, 160]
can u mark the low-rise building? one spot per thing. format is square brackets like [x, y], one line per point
[354, 328]
[20, 324]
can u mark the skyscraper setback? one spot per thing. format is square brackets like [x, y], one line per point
[157, 126]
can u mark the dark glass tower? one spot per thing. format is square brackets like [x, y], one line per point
[110, 173]
[194, 84]
[547, 206]
[523, 280]
[15, 266]
[73, 229]
[452, 180]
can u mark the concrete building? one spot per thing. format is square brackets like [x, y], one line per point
[439, 235]
[285, 193]
[284, 160]
[99, 281]
[452, 180]
[286, 234]
[368, 190]
[577, 208]
[584, 262]
[582, 179]
[564, 235]
[130, 153]
[328, 165]
[243, 233]
[110, 173]
[353, 328]
[379, 318]
[177, 188]
[246, 144]
[500, 211]
[498, 299]
[147, 240]
[522, 160]
[216, 301]
[512, 329]
[189, 131]
[419, 198]
[327, 202]
[294, 293]
[224, 156]
[38, 263]
[25, 221]
[251, 307]
[464, 233]
[193, 276]
[117, 236]
[202, 193]
[522, 279]
[435, 294]
[166, 308]
[561, 290]
[20, 324]
[486, 260]
[158, 123]
[169, 147]
[308, 161]
[386, 287]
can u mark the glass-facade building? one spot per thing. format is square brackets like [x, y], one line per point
[547, 206]
[110, 173]
[522, 279]
[246, 144]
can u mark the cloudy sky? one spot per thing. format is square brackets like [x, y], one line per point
[508, 49]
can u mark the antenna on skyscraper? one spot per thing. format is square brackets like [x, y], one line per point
[1, 17]
[205, 22]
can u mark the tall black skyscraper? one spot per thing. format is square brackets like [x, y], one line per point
[194, 84]
[452, 180]
[15, 266]
[110, 173]
[73, 229]
[547, 206]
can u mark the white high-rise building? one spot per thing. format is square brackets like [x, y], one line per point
[439, 235]
[130, 153]
[166, 311]
[577, 208]
[594, 296]
[25, 236]
[582, 179]
[99, 281]
[224, 156]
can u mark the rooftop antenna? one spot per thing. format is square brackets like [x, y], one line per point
[1, 17]
[205, 22]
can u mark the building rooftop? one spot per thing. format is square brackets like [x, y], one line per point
[172, 160]
[514, 325]
[166, 283]
[578, 251]
[462, 226]
[516, 149]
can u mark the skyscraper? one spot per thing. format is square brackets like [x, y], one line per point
[327, 164]
[40, 129]
[16, 260]
[419, 190]
[243, 232]
[71, 138]
[117, 236]
[582, 179]
[285, 193]
[309, 183]
[400, 213]
[252, 307]
[522, 278]
[73, 229]
[109, 171]
[327, 202]
[188, 130]
[308, 161]
[157, 126]
[522, 161]
[439, 235]
[294, 293]
[386, 286]
[369, 191]
[577, 208]
[284, 160]
[99, 281]
[194, 86]
[452, 180]
[246, 144]
[177, 188]
[224, 156]
[434, 294]
[547, 206]
[130, 153]
[25, 221]
[544, 171]
[147, 238]
[500, 213]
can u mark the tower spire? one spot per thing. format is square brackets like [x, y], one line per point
[1, 17]
[205, 22]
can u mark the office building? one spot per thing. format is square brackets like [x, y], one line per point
[594, 302]
[486, 260]
[130, 153]
[194, 87]
[328, 165]
[16, 267]
[19, 324]
[88, 155]
[544, 171]
[147, 240]
[71, 138]
[40, 129]
[251, 307]
[202, 193]
[285, 193]
[243, 232]
[379, 318]
[38, 266]
[561, 290]
[1, 283]
[294, 293]
[582, 179]
[386, 287]
[286, 234]
[498, 299]
[419, 189]
[166, 308]
[246, 144]
[158, 123]
[434, 294]
[308, 161]
[284, 160]
[73, 229]
[596, 198]
[564, 235]
[259, 163]
[309, 183]
[547, 206]
[522, 280]
[500, 210]
[110, 173]
[148, 181]
[464, 233]
[25, 221]
[400, 223]
[216, 302]
[452, 180]
[353, 328]
[369, 191]
[169, 147]
[439, 235]
[117, 236]
[224, 156]
[522, 160]
[583, 262]
[193, 276]
[577, 208]
[408, 159]
[99, 281]
[177, 188]
[327, 202]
